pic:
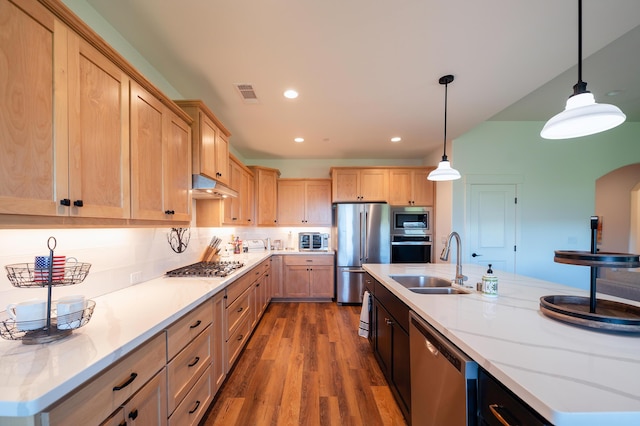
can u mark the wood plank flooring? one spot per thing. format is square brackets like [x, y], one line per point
[306, 365]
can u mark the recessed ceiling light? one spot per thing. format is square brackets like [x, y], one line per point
[396, 139]
[299, 140]
[290, 94]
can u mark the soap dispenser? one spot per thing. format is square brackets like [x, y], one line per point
[489, 283]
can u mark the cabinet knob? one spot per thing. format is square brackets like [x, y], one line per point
[388, 321]
[78, 203]
[65, 202]
[133, 414]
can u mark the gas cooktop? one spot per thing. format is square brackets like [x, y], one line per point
[207, 269]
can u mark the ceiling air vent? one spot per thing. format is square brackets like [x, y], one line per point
[247, 93]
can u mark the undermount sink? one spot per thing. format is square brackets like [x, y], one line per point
[437, 290]
[421, 281]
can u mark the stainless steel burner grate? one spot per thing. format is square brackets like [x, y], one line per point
[207, 269]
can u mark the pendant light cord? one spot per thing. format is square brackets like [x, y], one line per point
[445, 79]
[444, 153]
[580, 86]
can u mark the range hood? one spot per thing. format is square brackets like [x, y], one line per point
[203, 187]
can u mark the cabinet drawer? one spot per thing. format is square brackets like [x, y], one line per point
[237, 339]
[237, 311]
[195, 404]
[104, 394]
[183, 331]
[308, 260]
[185, 369]
[239, 286]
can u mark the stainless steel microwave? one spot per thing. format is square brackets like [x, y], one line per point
[313, 241]
[411, 220]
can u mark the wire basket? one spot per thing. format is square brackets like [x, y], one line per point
[27, 275]
[36, 331]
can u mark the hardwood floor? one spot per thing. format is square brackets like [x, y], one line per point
[306, 365]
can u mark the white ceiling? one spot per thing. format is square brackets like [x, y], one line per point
[368, 70]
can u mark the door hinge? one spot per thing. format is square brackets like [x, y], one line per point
[515, 200]
[514, 248]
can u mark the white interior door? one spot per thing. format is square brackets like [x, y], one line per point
[492, 225]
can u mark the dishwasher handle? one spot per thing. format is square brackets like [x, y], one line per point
[503, 415]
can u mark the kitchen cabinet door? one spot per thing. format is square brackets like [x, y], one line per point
[33, 163]
[291, 202]
[374, 184]
[177, 169]
[148, 407]
[218, 342]
[321, 281]
[318, 202]
[266, 195]
[296, 281]
[160, 155]
[210, 143]
[98, 134]
[401, 184]
[277, 281]
[146, 155]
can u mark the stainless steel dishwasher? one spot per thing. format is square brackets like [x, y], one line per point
[443, 379]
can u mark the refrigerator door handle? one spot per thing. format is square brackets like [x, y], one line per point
[362, 240]
[365, 237]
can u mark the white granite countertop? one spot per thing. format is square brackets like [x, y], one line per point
[570, 375]
[32, 377]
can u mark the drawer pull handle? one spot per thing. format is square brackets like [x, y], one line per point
[123, 423]
[134, 414]
[240, 309]
[195, 361]
[197, 323]
[388, 321]
[240, 337]
[503, 415]
[126, 383]
[195, 408]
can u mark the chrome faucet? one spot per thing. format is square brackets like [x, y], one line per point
[459, 279]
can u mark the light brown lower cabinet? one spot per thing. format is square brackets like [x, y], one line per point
[147, 407]
[108, 392]
[308, 277]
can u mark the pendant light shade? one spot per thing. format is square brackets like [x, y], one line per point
[582, 116]
[444, 170]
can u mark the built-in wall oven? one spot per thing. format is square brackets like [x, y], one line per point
[411, 235]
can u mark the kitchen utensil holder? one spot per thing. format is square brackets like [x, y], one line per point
[24, 275]
[583, 311]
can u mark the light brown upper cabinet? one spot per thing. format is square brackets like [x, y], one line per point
[411, 187]
[239, 211]
[266, 195]
[210, 142]
[160, 160]
[67, 119]
[63, 121]
[304, 202]
[359, 184]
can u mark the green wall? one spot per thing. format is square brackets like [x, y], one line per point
[557, 195]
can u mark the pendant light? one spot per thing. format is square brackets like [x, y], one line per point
[444, 170]
[582, 116]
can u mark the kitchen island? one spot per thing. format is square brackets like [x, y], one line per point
[569, 375]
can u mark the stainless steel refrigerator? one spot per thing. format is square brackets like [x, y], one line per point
[361, 234]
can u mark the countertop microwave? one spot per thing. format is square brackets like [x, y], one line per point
[313, 241]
